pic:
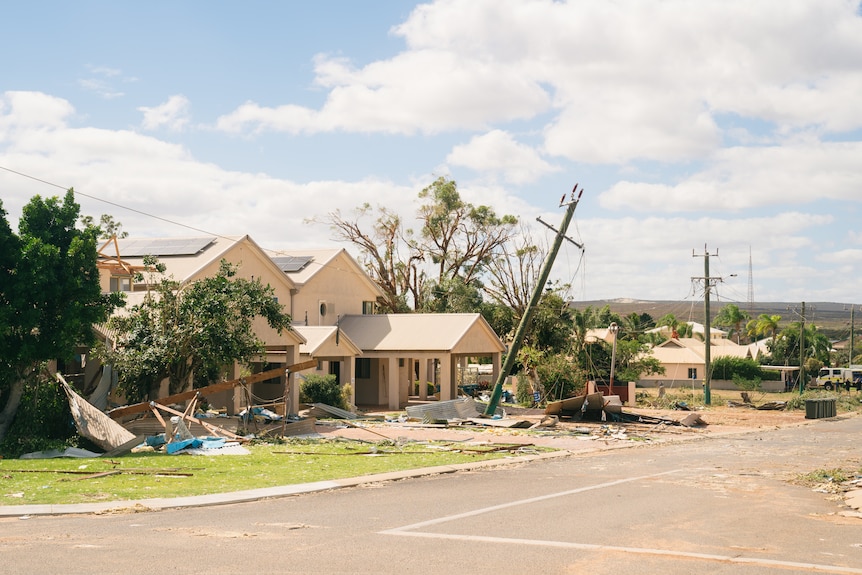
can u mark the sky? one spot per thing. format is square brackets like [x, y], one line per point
[722, 128]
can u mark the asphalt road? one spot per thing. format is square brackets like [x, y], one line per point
[715, 505]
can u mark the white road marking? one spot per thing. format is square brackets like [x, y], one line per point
[411, 531]
[524, 502]
[635, 550]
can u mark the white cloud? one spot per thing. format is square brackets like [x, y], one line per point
[726, 123]
[498, 152]
[21, 112]
[172, 114]
[139, 177]
[652, 258]
[627, 80]
[744, 178]
[101, 81]
[404, 95]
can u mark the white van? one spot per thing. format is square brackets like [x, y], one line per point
[830, 378]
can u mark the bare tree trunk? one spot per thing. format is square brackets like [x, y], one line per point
[11, 408]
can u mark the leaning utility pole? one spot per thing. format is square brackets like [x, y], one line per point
[517, 340]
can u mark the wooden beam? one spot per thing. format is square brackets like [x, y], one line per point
[215, 430]
[144, 406]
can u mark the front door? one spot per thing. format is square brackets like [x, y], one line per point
[335, 369]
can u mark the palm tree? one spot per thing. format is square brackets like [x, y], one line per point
[751, 329]
[686, 329]
[670, 321]
[733, 317]
[767, 324]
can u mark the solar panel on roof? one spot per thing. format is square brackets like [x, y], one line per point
[290, 264]
[163, 246]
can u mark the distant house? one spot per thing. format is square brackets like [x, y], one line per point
[697, 329]
[684, 358]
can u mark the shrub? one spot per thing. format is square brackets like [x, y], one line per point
[43, 421]
[560, 377]
[430, 388]
[347, 395]
[728, 368]
[523, 390]
[321, 389]
[746, 384]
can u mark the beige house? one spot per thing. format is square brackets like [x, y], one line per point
[685, 362]
[401, 349]
[331, 301]
[697, 329]
[327, 284]
[191, 258]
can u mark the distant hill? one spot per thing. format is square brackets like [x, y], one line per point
[829, 316]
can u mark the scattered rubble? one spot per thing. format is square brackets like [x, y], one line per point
[183, 428]
[598, 407]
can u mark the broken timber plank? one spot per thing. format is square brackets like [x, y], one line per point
[126, 447]
[211, 428]
[506, 423]
[593, 401]
[692, 420]
[98, 475]
[210, 389]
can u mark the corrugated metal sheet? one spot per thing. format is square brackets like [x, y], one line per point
[337, 412]
[462, 408]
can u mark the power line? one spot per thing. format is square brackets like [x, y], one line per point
[140, 212]
[110, 203]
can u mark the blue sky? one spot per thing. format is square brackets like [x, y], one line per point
[726, 125]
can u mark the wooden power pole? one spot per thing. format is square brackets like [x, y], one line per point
[517, 340]
[708, 283]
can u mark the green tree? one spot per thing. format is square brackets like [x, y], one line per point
[456, 242]
[785, 347]
[500, 317]
[50, 295]
[459, 238]
[605, 317]
[670, 321]
[634, 361]
[686, 329]
[635, 325]
[452, 295]
[767, 324]
[559, 377]
[316, 388]
[388, 252]
[751, 330]
[552, 325]
[582, 321]
[728, 368]
[108, 227]
[190, 334]
[731, 316]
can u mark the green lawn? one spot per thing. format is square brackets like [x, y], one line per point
[152, 475]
